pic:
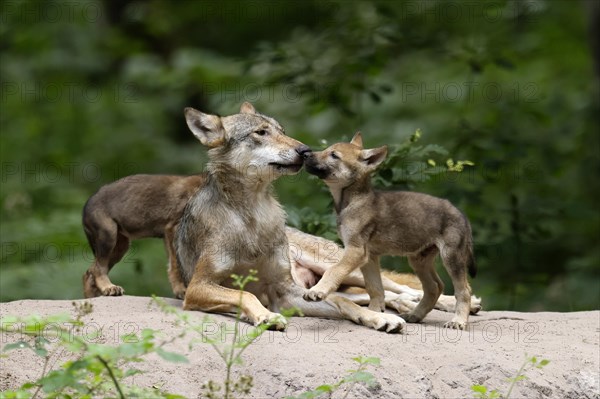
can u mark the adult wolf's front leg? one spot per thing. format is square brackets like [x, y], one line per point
[177, 284]
[207, 296]
[337, 307]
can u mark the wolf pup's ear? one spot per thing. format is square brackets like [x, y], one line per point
[357, 140]
[247, 108]
[207, 128]
[375, 156]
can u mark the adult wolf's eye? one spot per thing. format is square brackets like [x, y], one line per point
[334, 155]
[261, 132]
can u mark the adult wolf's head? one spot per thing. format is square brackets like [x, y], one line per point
[248, 143]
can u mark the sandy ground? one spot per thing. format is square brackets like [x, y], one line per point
[425, 362]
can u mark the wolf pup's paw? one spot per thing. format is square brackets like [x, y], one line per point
[314, 296]
[275, 321]
[113, 290]
[455, 325]
[90, 289]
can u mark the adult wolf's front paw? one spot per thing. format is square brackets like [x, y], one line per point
[179, 292]
[455, 325]
[314, 295]
[274, 321]
[386, 322]
[113, 290]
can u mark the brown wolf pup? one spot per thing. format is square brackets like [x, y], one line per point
[374, 223]
[133, 207]
[234, 224]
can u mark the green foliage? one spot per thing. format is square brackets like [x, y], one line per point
[481, 391]
[408, 164]
[358, 376]
[99, 370]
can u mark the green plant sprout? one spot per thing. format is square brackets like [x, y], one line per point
[481, 391]
[360, 375]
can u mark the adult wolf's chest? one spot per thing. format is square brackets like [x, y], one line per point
[255, 232]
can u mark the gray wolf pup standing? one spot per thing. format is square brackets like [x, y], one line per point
[374, 223]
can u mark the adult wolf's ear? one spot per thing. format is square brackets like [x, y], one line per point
[375, 156]
[207, 128]
[357, 140]
[247, 108]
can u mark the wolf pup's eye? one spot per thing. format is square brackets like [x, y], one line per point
[261, 132]
[334, 155]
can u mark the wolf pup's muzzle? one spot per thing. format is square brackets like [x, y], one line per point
[314, 168]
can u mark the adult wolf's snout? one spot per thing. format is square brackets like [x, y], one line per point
[304, 151]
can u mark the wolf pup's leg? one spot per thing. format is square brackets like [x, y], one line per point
[455, 263]
[373, 284]
[109, 247]
[424, 266]
[354, 257]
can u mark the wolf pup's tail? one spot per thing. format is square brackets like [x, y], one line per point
[472, 266]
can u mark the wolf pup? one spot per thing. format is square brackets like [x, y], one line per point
[234, 224]
[133, 207]
[374, 223]
[312, 256]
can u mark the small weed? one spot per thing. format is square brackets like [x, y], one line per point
[481, 391]
[360, 375]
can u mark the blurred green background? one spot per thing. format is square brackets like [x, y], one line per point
[94, 90]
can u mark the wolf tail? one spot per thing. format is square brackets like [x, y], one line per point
[468, 247]
[471, 265]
